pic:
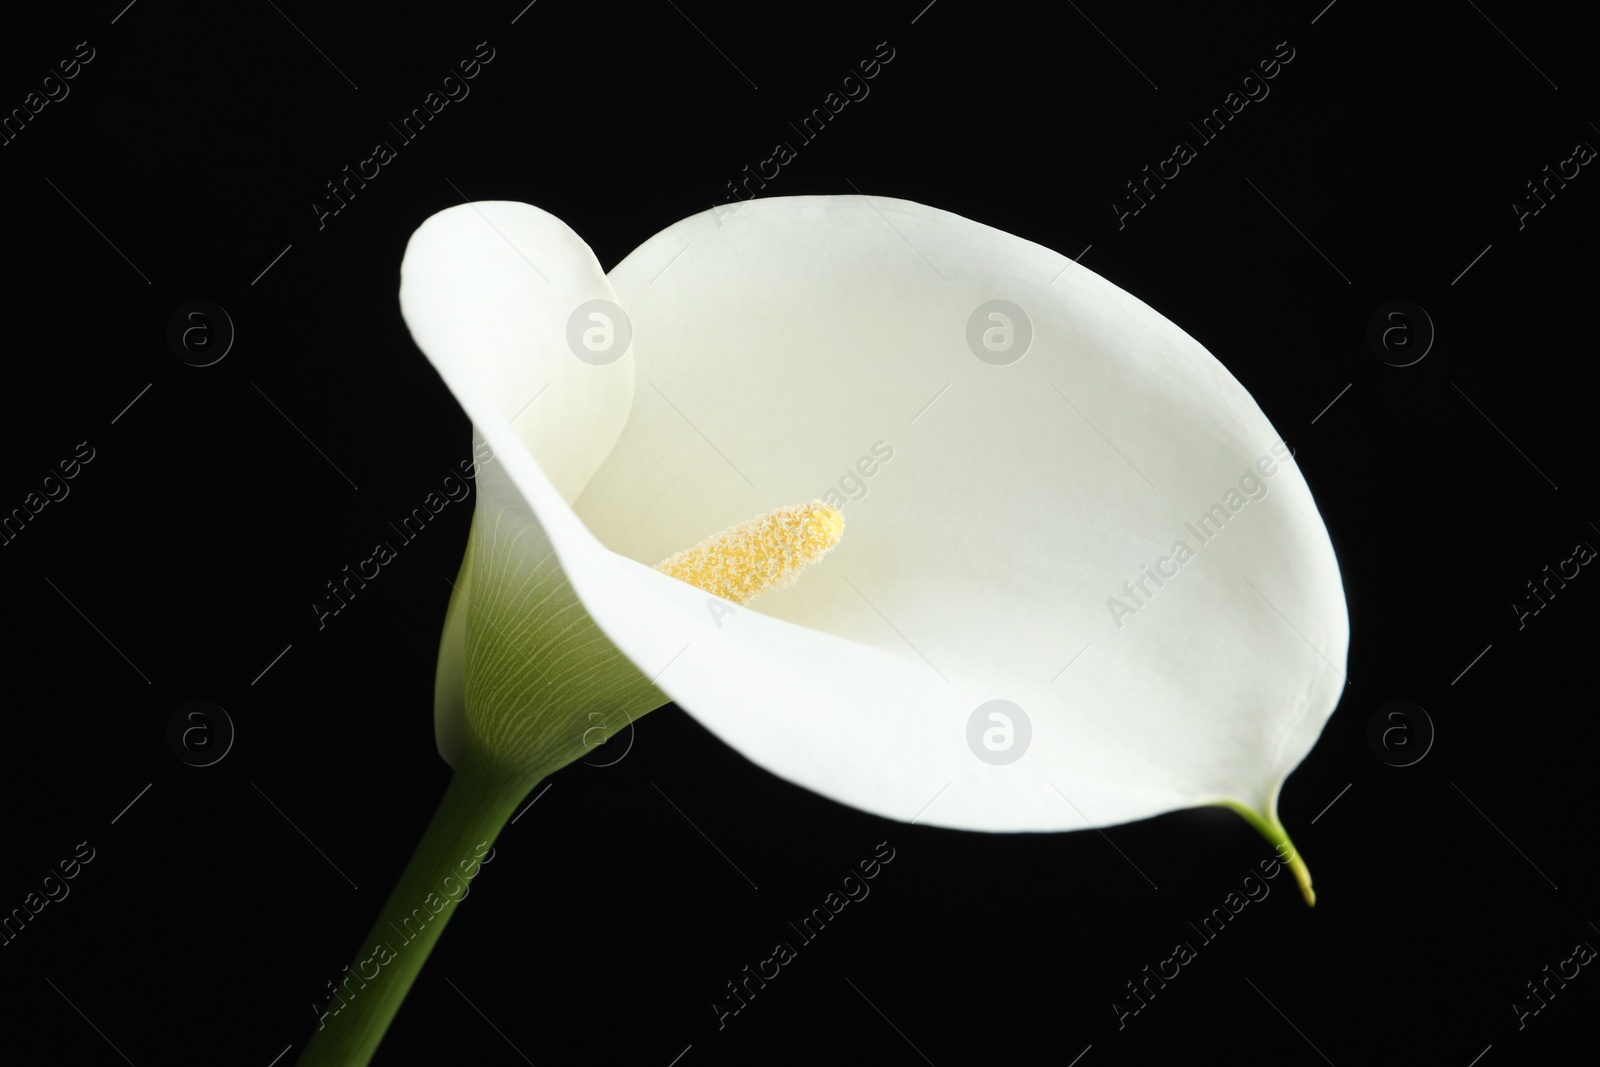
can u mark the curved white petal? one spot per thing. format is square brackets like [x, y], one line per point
[489, 290]
[776, 346]
[777, 343]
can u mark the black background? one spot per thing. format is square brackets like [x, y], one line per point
[186, 158]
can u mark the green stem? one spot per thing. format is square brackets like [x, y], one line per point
[475, 807]
[1278, 837]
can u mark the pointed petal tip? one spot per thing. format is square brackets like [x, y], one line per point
[1271, 828]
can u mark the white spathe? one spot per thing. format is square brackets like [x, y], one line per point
[773, 346]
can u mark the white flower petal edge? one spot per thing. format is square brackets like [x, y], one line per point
[487, 290]
[773, 346]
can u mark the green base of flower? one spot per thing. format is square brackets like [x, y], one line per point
[1278, 837]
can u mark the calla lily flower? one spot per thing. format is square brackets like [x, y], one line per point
[1081, 581]
[771, 348]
